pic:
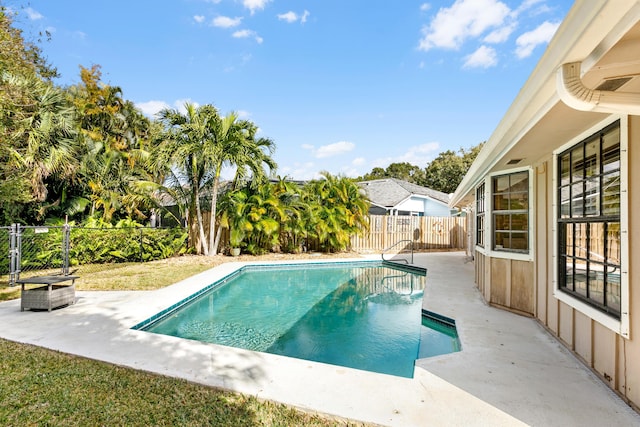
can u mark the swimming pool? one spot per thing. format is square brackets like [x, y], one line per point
[362, 315]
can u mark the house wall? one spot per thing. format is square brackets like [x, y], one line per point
[506, 283]
[434, 208]
[506, 279]
[528, 287]
[611, 356]
[427, 206]
[412, 204]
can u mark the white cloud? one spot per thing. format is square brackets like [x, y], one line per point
[330, 150]
[199, 18]
[358, 161]
[151, 108]
[483, 57]
[334, 149]
[349, 172]
[527, 42]
[244, 34]
[226, 22]
[424, 7]
[419, 155]
[33, 14]
[528, 4]
[289, 17]
[465, 19]
[500, 35]
[243, 114]
[254, 5]
[422, 154]
[300, 171]
[292, 17]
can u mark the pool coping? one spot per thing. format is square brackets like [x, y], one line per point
[454, 389]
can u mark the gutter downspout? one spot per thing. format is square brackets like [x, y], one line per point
[579, 97]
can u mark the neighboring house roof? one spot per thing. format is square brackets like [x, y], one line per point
[595, 45]
[390, 192]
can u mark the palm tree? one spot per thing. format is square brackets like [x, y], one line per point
[42, 133]
[337, 209]
[200, 143]
[253, 157]
[292, 230]
[236, 146]
[254, 215]
[189, 141]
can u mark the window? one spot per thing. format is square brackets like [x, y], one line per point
[480, 215]
[589, 220]
[510, 212]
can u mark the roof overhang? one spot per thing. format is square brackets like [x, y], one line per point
[604, 38]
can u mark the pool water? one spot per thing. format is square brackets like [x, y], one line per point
[359, 315]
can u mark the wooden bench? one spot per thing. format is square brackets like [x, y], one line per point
[52, 295]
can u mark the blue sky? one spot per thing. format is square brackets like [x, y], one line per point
[340, 85]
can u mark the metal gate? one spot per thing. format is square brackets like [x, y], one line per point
[54, 259]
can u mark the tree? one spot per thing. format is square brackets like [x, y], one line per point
[115, 138]
[26, 95]
[282, 214]
[199, 144]
[188, 139]
[336, 210]
[18, 56]
[293, 228]
[446, 171]
[235, 145]
[404, 171]
[376, 173]
[254, 215]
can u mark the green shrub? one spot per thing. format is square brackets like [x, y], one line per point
[114, 245]
[96, 246]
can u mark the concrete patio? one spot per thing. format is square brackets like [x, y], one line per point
[510, 370]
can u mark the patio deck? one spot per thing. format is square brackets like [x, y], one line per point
[509, 372]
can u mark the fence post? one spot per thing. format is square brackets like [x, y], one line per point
[12, 255]
[15, 251]
[66, 231]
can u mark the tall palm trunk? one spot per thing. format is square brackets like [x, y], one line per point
[195, 183]
[213, 241]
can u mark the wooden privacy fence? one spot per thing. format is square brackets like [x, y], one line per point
[426, 233]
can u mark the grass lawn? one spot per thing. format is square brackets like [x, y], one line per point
[44, 387]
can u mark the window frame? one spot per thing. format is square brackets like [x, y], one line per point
[509, 212]
[481, 217]
[489, 230]
[619, 324]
